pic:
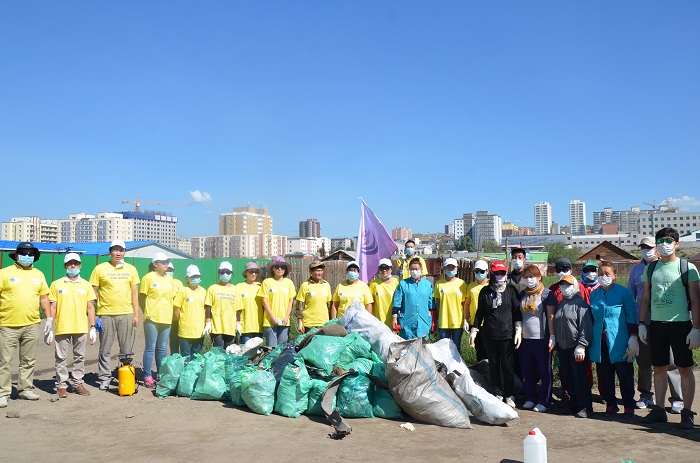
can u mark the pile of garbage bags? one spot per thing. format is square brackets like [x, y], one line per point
[379, 375]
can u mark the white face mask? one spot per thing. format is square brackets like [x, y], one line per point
[648, 254]
[666, 249]
[531, 282]
[415, 274]
[568, 291]
[561, 274]
[605, 281]
[518, 264]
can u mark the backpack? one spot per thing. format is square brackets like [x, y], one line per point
[684, 277]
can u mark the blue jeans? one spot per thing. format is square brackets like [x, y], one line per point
[245, 337]
[276, 335]
[453, 333]
[157, 337]
[189, 347]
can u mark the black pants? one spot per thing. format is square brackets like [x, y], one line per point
[500, 354]
[480, 347]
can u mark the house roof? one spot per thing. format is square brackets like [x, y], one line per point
[341, 254]
[610, 248]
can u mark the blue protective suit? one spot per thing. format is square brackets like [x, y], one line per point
[413, 301]
[614, 309]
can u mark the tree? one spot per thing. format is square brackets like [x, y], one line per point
[491, 246]
[558, 250]
[465, 243]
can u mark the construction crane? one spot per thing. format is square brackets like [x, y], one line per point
[653, 205]
[137, 203]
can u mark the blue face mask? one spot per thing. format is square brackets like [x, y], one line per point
[195, 281]
[352, 276]
[410, 251]
[73, 272]
[480, 276]
[450, 273]
[226, 277]
[170, 274]
[25, 261]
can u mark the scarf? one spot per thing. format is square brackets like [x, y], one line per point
[498, 289]
[530, 301]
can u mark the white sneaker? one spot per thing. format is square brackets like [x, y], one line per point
[528, 405]
[676, 407]
[510, 401]
[500, 398]
[3, 402]
[28, 395]
[104, 385]
[539, 408]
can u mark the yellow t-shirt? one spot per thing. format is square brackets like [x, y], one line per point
[114, 286]
[345, 294]
[177, 287]
[71, 298]
[315, 297]
[224, 304]
[159, 292]
[474, 289]
[383, 295]
[19, 295]
[251, 305]
[404, 266]
[192, 319]
[450, 296]
[278, 294]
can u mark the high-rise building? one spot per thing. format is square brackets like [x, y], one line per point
[126, 226]
[31, 228]
[245, 221]
[263, 245]
[461, 226]
[401, 234]
[626, 221]
[487, 227]
[543, 218]
[309, 228]
[577, 217]
[341, 243]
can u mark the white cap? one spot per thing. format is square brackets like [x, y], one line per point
[481, 265]
[170, 265]
[226, 266]
[351, 263]
[71, 256]
[192, 270]
[119, 243]
[451, 261]
[384, 262]
[159, 256]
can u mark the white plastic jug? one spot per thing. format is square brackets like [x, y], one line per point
[535, 447]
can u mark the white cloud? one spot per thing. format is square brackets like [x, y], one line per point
[200, 196]
[684, 203]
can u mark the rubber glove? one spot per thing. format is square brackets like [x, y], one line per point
[98, 324]
[632, 348]
[433, 325]
[518, 334]
[280, 322]
[643, 333]
[693, 339]
[395, 324]
[579, 353]
[552, 342]
[239, 327]
[92, 335]
[465, 326]
[48, 338]
[207, 329]
[48, 325]
[472, 336]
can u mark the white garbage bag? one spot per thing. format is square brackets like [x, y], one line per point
[356, 319]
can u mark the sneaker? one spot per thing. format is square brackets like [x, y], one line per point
[687, 419]
[583, 413]
[539, 408]
[500, 398]
[612, 409]
[28, 395]
[645, 402]
[656, 415]
[3, 402]
[104, 384]
[510, 401]
[81, 390]
[62, 392]
[676, 407]
[629, 413]
[528, 405]
[149, 383]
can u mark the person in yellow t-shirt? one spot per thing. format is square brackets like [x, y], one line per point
[382, 290]
[403, 263]
[450, 294]
[481, 279]
[156, 299]
[23, 290]
[189, 310]
[277, 295]
[314, 298]
[222, 308]
[251, 303]
[350, 290]
[73, 310]
[116, 286]
[177, 287]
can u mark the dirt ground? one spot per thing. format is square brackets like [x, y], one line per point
[105, 426]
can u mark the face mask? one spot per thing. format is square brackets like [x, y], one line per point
[410, 251]
[170, 274]
[352, 276]
[518, 264]
[500, 278]
[415, 274]
[226, 277]
[385, 277]
[664, 249]
[25, 261]
[568, 291]
[531, 282]
[561, 274]
[195, 281]
[73, 272]
[592, 276]
[480, 276]
[648, 254]
[450, 273]
[605, 281]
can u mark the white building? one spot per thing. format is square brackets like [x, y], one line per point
[588, 242]
[543, 218]
[126, 226]
[577, 217]
[341, 243]
[684, 222]
[263, 245]
[184, 244]
[487, 227]
[30, 228]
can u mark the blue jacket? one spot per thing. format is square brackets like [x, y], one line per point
[613, 309]
[413, 303]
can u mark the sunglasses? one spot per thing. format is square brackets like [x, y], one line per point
[480, 272]
[384, 268]
[162, 262]
[25, 253]
[590, 269]
[278, 267]
[225, 272]
[500, 273]
[561, 269]
[665, 240]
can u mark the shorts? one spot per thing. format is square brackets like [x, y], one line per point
[665, 335]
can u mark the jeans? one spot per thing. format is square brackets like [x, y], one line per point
[157, 337]
[245, 337]
[276, 335]
[189, 347]
[174, 339]
[222, 340]
[452, 333]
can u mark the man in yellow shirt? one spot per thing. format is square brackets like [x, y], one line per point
[314, 298]
[116, 286]
[22, 290]
[402, 263]
[450, 296]
[73, 311]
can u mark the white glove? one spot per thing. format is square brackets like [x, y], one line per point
[552, 343]
[632, 349]
[518, 334]
[472, 336]
[239, 327]
[300, 325]
[280, 322]
[48, 325]
[579, 353]
[92, 335]
[48, 338]
[643, 333]
[207, 329]
[465, 326]
[693, 339]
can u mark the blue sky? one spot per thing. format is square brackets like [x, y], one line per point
[425, 109]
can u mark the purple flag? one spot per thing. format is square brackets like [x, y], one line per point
[373, 243]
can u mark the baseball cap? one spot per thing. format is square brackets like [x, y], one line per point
[226, 266]
[159, 256]
[385, 263]
[563, 262]
[451, 261]
[481, 265]
[569, 279]
[192, 270]
[119, 243]
[316, 264]
[351, 264]
[170, 265]
[590, 263]
[71, 256]
[649, 241]
[498, 266]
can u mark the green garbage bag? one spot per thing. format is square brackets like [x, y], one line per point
[325, 352]
[332, 321]
[308, 333]
[170, 370]
[293, 390]
[317, 388]
[361, 365]
[354, 397]
[378, 367]
[357, 347]
[234, 386]
[258, 390]
[215, 352]
[210, 384]
[232, 364]
[269, 359]
[189, 376]
[384, 405]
